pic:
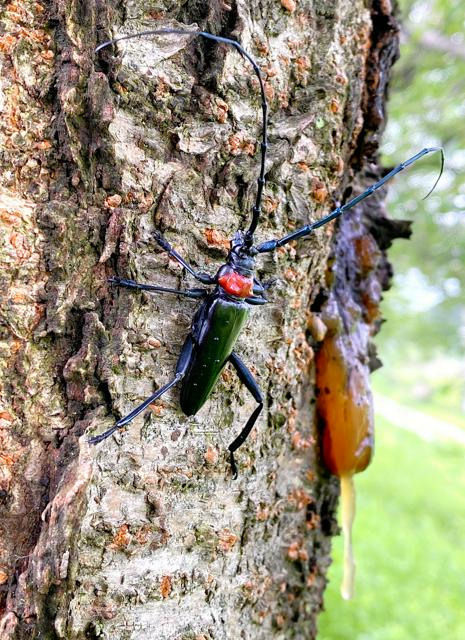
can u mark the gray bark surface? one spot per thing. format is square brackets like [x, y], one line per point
[146, 536]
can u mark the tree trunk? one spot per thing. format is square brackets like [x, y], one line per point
[146, 535]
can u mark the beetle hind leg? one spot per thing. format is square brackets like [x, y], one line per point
[181, 369]
[130, 417]
[248, 380]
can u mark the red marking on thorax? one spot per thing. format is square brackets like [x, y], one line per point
[237, 285]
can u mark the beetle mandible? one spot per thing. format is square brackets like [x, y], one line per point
[224, 310]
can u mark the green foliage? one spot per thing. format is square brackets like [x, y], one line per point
[411, 385]
[408, 540]
[425, 309]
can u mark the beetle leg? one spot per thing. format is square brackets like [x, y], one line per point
[256, 300]
[259, 288]
[248, 380]
[181, 369]
[153, 288]
[127, 419]
[198, 275]
[269, 283]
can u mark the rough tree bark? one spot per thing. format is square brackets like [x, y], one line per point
[146, 536]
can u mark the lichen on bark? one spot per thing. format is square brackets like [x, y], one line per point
[147, 536]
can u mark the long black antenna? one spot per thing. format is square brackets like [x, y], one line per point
[248, 238]
[272, 245]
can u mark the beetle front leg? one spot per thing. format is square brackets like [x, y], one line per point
[198, 275]
[259, 288]
[256, 300]
[154, 288]
[248, 380]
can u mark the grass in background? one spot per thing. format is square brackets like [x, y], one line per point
[409, 540]
[442, 402]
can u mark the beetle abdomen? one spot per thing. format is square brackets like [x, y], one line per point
[217, 337]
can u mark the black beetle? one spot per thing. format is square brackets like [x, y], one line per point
[223, 312]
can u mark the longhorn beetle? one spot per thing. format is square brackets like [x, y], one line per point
[224, 310]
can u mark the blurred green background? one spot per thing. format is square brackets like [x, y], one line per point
[409, 531]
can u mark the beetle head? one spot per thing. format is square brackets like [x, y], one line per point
[240, 257]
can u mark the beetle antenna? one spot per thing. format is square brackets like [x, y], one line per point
[441, 150]
[248, 237]
[271, 245]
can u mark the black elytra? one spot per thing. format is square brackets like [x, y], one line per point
[224, 310]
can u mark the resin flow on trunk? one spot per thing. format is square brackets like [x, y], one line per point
[345, 408]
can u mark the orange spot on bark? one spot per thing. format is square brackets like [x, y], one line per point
[122, 538]
[18, 297]
[211, 455]
[262, 513]
[289, 5]
[8, 460]
[221, 110]
[16, 345]
[319, 190]
[7, 43]
[299, 498]
[157, 409]
[20, 245]
[299, 442]
[269, 71]
[216, 238]
[303, 63]
[43, 145]
[270, 204]
[113, 201]
[334, 105]
[312, 521]
[226, 375]
[226, 540]
[291, 274]
[165, 586]
[293, 550]
[280, 621]
[143, 534]
[238, 144]
[262, 46]
[269, 91]
[153, 343]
